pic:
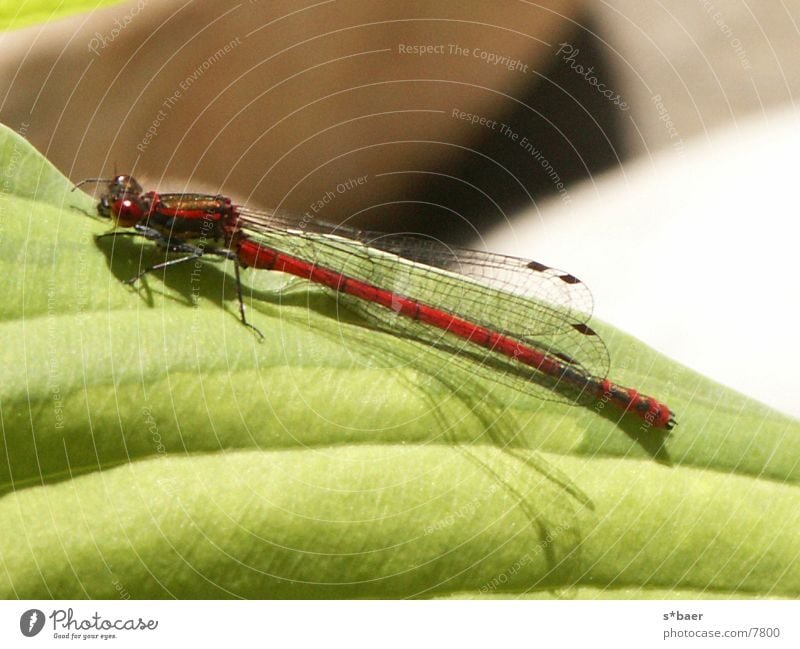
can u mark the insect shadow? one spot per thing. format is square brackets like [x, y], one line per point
[206, 277]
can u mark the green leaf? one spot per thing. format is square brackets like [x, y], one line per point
[152, 447]
[15, 15]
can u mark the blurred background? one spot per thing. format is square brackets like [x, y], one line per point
[647, 147]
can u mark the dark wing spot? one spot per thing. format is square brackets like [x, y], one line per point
[583, 329]
[535, 265]
[569, 279]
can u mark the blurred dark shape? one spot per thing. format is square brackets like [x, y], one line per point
[574, 128]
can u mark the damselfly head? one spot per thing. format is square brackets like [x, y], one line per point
[120, 188]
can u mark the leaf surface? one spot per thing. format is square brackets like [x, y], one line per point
[152, 447]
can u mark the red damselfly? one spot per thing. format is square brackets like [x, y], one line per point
[524, 312]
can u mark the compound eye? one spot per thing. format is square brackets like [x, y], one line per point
[122, 185]
[127, 212]
[130, 185]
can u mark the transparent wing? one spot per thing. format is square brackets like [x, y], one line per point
[519, 298]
